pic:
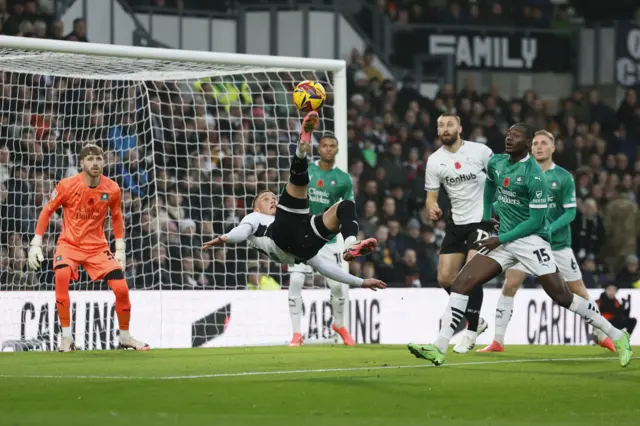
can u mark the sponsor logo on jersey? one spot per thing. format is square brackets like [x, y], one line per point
[538, 194]
[460, 179]
[319, 196]
[507, 197]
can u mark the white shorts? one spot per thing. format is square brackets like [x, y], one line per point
[566, 262]
[331, 252]
[532, 252]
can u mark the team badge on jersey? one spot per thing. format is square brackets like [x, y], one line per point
[58, 258]
[554, 184]
[333, 182]
[104, 196]
[519, 179]
[506, 182]
[320, 183]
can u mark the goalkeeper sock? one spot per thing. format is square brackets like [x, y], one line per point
[123, 305]
[296, 282]
[590, 313]
[473, 308]
[338, 302]
[299, 171]
[504, 310]
[63, 302]
[349, 227]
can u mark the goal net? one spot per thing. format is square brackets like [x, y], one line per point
[190, 137]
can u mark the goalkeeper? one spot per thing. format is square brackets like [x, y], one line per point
[86, 198]
[327, 186]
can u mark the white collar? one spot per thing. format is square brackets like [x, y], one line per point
[525, 159]
[553, 166]
[317, 163]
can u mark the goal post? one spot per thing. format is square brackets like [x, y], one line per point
[190, 136]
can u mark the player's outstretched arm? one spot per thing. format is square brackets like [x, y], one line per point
[35, 250]
[332, 271]
[237, 235]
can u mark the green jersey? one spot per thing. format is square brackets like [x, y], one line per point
[327, 187]
[562, 196]
[519, 187]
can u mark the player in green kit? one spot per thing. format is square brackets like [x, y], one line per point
[327, 186]
[518, 184]
[562, 211]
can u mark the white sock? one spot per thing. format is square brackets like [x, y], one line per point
[66, 332]
[504, 310]
[590, 313]
[124, 334]
[349, 241]
[451, 319]
[338, 302]
[599, 333]
[296, 282]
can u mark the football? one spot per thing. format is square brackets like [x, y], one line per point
[309, 96]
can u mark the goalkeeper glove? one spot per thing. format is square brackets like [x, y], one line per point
[121, 253]
[35, 253]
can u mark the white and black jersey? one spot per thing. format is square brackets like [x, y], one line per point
[254, 228]
[462, 174]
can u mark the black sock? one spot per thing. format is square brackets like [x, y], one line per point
[473, 308]
[299, 174]
[346, 213]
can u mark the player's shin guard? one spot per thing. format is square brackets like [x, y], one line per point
[590, 313]
[504, 310]
[299, 171]
[473, 308]
[119, 286]
[346, 213]
[63, 302]
[338, 302]
[451, 319]
[296, 282]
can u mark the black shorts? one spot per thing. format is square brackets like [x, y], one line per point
[296, 231]
[462, 238]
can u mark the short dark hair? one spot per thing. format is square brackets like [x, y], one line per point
[253, 203]
[328, 135]
[529, 131]
[90, 149]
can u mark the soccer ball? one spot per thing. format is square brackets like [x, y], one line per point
[309, 96]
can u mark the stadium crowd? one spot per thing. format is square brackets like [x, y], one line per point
[190, 157]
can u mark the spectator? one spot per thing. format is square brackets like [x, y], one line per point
[614, 311]
[620, 218]
[79, 32]
[406, 272]
[629, 277]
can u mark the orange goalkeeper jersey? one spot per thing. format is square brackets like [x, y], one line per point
[84, 212]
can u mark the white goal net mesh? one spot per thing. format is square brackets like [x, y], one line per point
[189, 143]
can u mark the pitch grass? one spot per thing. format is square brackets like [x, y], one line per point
[553, 386]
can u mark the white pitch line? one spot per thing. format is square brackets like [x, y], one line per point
[309, 371]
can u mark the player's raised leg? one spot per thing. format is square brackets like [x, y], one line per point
[514, 277]
[299, 173]
[557, 289]
[478, 271]
[341, 217]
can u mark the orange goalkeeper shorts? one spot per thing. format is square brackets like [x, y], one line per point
[97, 262]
